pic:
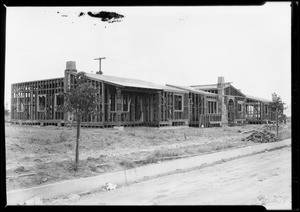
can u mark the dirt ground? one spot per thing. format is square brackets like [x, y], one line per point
[260, 179]
[40, 155]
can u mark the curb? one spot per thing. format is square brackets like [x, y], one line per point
[88, 184]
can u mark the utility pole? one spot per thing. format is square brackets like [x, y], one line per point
[100, 58]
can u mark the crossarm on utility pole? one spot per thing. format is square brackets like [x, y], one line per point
[100, 58]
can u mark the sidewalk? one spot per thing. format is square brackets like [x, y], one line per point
[132, 175]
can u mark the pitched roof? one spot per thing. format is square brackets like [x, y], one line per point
[40, 80]
[210, 86]
[257, 98]
[127, 82]
[204, 87]
[190, 89]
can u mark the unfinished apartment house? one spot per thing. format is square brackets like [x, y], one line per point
[233, 106]
[125, 102]
[203, 107]
[130, 102]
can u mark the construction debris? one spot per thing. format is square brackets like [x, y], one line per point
[261, 137]
[246, 131]
[44, 179]
[110, 186]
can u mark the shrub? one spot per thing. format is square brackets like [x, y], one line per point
[62, 137]
[93, 168]
[149, 159]
[47, 141]
[128, 164]
[151, 136]
[131, 134]
[33, 139]
[168, 153]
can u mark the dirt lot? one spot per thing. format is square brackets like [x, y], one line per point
[40, 155]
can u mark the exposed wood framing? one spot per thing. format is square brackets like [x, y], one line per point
[35, 102]
[26, 106]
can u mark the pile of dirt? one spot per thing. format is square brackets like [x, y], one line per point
[261, 137]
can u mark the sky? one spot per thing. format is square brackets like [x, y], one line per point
[249, 46]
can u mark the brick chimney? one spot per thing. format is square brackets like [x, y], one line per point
[70, 70]
[221, 100]
[221, 80]
[71, 66]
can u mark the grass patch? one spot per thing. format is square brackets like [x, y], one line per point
[34, 139]
[158, 155]
[93, 168]
[39, 139]
[132, 134]
[148, 159]
[223, 146]
[285, 134]
[62, 138]
[168, 153]
[151, 136]
[127, 163]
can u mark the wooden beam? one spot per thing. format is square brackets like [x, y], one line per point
[151, 108]
[132, 102]
[141, 90]
[119, 107]
[103, 102]
[159, 102]
[173, 102]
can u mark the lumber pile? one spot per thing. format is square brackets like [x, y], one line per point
[261, 137]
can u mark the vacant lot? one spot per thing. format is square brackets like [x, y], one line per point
[40, 155]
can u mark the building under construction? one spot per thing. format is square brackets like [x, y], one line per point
[131, 102]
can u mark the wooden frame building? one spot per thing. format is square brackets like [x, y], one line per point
[126, 102]
[236, 107]
[130, 102]
[203, 107]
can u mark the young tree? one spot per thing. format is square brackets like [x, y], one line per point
[81, 100]
[278, 105]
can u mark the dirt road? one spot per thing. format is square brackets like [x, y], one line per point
[262, 179]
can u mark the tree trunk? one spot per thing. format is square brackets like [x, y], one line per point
[77, 144]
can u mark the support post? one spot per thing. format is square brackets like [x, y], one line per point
[12, 111]
[159, 107]
[31, 105]
[103, 102]
[77, 143]
[119, 107]
[151, 108]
